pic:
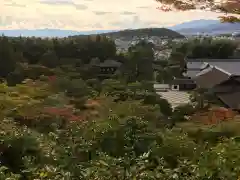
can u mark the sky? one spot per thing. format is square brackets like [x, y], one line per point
[90, 14]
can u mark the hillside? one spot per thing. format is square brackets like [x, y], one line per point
[160, 32]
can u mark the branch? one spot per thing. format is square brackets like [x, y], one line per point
[231, 7]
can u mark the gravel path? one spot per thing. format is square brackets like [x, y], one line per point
[175, 98]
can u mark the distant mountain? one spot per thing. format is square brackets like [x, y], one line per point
[113, 33]
[194, 24]
[211, 27]
[130, 33]
[49, 32]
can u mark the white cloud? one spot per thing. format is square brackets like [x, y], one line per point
[89, 14]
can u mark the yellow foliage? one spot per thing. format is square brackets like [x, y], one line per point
[23, 95]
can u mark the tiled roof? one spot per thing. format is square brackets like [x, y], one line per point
[232, 68]
[191, 73]
[213, 60]
[194, 65]
[231, 99]
[204, 71]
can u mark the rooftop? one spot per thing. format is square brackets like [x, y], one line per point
[110, 63]
[194, 65]
[183, 81]
[199, 60]
[191, 73]
[231, 67]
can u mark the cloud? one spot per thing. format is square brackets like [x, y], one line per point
[7, 20]
[127, 13]
[63, 3]
[57, 2]
[14, 4]
[90, 14]
[81, 6]
[143, 7]
[101, 12]
[134, 22]
[97, 26]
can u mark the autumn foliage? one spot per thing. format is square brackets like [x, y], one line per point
[229, 9]
[62, 112]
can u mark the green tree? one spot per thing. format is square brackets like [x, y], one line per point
[139, 65]
[7, 58]
[49, 59]
[177, 64]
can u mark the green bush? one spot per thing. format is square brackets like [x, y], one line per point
[35, 71]
[165, 107]
[109, 86]
[14, 78]
[151, 98]
[76, 88]
[180, 112]
[95, 84]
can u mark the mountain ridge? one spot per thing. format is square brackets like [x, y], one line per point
[208, 26]
[211, 27]
[194, 24]
[49, 32]
[113, 33]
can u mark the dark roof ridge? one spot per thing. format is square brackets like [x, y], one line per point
[212, 60]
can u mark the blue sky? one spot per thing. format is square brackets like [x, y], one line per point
[90, 14]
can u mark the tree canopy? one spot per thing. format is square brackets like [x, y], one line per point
[231, 8]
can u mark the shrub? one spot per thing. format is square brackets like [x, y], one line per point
[109, 86]
[95, 84]
[147, 85]
[14, 78]
[73, 88]
[151, 98]
[165, 107]
[180, 112]
[35, 71]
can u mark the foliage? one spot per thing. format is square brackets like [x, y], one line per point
[7, 58]
[165, 107]
[181, 112]
[177, 64]
[138, 66]
[164, 76]
[206, 48]
[231, 7]
[15, 77]
[49, 59]
[161, 32]
[59, 121]
[35, 71]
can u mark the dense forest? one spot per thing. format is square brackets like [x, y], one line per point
[59, 121]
